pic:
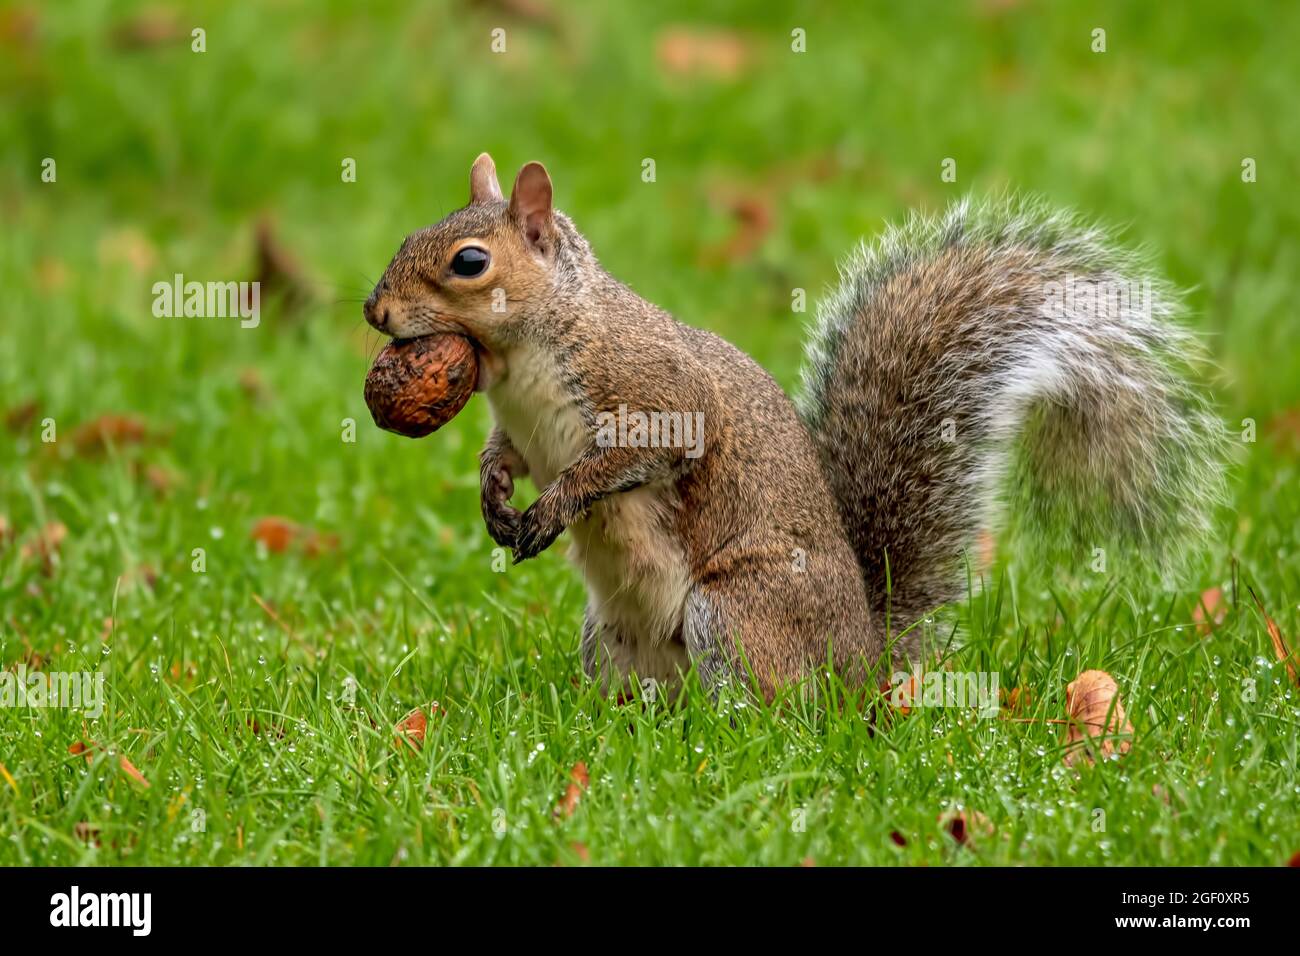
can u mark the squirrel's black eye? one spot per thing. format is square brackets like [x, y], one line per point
[469, 262]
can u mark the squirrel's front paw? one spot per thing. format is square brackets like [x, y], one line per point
[495, 488]
[539, 526]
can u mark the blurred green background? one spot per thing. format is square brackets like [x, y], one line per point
[770, 165]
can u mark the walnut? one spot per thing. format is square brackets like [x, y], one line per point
[418, 385]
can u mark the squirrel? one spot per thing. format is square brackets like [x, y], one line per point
[967, 363]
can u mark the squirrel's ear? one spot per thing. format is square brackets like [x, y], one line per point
[530, 202]
[483, 185]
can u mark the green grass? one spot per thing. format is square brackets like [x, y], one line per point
[166, 157]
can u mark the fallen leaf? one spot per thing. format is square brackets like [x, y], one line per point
[1210, 610]
[902, 697]
[148, 29]
[684, 51]
[117, 431]
[253, 385]
[578, 780]
[188, 673]
[19, 417]
[532, 11]
[1281, 649]
[1095, 711]
[752, 217]
[88, 749]
[318, 543]
[581, 851]
[256, 727]
[275, 533]
[140, 574]
[160, 479]
[412, 728]
[277, 273]
[18, 27]
[278, 534]
[1284, 430]
[1017, 700]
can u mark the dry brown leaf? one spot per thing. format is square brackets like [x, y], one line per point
[278, 273]
[578, 781]
[20, 417]
[902, 698]
[1017, 700]
[1284, 430]
[685, 51]
[1210, 610]
[1096, 714]
[1281, 649]
[412, 729]
[278, 534]
[179, 674]
[537, 12]
[752, 216]
[275, 533]
[256, 727]
[318, 543]
[87, 748]
[18, 27]
[148, 29]
[253, 385]
[160, 479]
[96, 436]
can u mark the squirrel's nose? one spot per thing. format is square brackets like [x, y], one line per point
[375, 313]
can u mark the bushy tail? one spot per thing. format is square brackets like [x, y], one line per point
[1005, 355]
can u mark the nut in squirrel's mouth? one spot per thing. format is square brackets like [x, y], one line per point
[489, 363]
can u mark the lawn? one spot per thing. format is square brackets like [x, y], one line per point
[269, 589]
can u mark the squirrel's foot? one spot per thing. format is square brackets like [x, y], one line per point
[539, 526]
[496, 486]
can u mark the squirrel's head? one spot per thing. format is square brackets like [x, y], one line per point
[483, 270]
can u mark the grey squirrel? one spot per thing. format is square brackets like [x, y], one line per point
[991, 356]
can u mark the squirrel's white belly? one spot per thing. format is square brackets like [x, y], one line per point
[637, 580]
[636, 572]
[539, 417]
